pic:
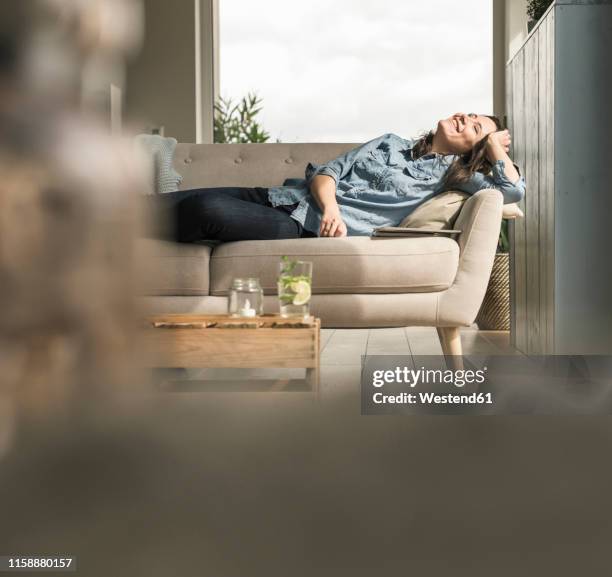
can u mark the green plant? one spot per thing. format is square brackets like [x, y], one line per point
[536, 8]
[287, 265]
[503, 244]
[236, 122]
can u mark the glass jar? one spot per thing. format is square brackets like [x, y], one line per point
[245, 298]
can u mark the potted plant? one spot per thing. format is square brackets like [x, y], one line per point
[236, 123]
[535, 11]
[494, 314]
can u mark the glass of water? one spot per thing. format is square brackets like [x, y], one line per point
[294, 287]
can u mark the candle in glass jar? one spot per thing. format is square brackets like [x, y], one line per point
[247, 311]
[245, 298]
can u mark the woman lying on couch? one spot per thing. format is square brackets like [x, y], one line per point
[376, 184]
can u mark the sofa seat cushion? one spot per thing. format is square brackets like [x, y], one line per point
[171, 268]
[343, 265]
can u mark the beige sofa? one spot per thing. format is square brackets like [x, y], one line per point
[357, 281]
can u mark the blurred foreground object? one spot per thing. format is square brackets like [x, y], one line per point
[67, 209]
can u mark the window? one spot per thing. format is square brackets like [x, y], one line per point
[351, 70]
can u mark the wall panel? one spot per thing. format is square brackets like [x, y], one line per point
[560, 105]
[532, 222]
[519, 309]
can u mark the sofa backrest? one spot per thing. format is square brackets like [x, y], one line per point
[208, 165]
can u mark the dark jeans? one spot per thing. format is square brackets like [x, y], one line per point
[223, 214]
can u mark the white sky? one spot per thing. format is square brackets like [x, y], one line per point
[351, 70]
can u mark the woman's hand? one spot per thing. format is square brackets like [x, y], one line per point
[498, 145]
[323, 189]
[332, 223]
[500, 138]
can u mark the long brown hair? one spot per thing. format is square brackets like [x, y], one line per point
[466, 164]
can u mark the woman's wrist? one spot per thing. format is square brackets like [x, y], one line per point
[331, 208]
[323, 189]
[495, 151]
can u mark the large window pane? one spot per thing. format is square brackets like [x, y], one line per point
[350, 70]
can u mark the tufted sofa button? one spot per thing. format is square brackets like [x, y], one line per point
[238, 160]
[188, 161]
[289, 160]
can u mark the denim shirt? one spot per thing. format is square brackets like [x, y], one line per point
[379, 184]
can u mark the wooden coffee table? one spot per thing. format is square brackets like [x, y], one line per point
[220, 341]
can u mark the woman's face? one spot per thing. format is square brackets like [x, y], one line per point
[460, 132]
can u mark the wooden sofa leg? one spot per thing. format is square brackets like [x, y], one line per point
[450, 340]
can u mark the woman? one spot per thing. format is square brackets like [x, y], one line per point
[376, 184]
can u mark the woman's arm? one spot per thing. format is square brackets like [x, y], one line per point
[498, 145]
[322, 180]
[504, 177]
[323, 189]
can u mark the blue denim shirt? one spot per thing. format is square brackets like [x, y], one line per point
[379, 184]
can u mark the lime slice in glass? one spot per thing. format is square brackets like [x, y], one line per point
[302, 292]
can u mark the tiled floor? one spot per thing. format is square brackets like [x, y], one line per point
[345, 346]
[342, 350]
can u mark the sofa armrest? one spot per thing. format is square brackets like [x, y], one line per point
[512, 211]
[480, 222]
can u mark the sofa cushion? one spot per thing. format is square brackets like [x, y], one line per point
[170, 268]
[343, 265]
[439, 212]
[160, 150]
